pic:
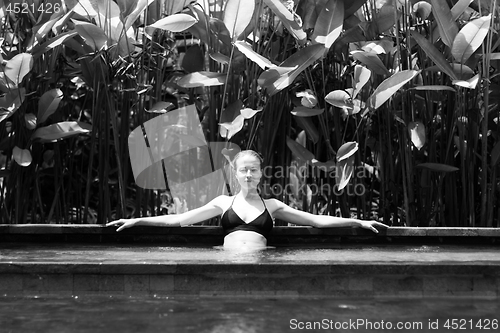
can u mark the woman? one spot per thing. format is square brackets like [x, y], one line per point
[247, 219]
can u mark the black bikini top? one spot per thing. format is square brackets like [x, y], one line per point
[262, 224]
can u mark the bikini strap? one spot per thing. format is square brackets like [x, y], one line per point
[263, 202]
[234, 198]
[228, 208]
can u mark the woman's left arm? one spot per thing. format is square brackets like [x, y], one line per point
[287, 213]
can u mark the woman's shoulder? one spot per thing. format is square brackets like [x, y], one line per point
[272, 203]
[222, 201]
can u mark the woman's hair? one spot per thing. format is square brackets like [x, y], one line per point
[244, 153]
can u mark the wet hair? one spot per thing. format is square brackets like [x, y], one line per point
[244, 153]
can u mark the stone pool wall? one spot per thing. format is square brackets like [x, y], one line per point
[214, 235]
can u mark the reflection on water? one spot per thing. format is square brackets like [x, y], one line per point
[243, 255]
[91, 253]
[94, 313]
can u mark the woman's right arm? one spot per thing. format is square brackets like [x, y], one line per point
[211, 209]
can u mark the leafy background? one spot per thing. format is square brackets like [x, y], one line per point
[399, 98]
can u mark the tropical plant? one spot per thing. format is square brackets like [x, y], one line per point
[380, 109]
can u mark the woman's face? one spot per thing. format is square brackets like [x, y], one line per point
[248, 171]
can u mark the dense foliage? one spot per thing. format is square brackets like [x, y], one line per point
[380, 109]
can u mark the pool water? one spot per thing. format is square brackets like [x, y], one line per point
[335, 253]
[243, 314]
[323, 288]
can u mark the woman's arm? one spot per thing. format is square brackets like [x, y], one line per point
[197, 215]
[287, 213]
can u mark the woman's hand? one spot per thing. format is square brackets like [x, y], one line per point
[123, 223]
[371, 225]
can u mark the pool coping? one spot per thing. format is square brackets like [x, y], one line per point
[214, 234]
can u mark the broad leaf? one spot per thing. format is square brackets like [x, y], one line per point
[83, 8]
[30, 121]
[274, 81]
[93, 35]
[438, 167]
[459, 8]
[344, 171]
[361, 77]
[389, 87]
[447, 26]
[372, 61]
[193, 60]
[299, 151]
[462, 70]
[202, 79]
[199, 29]
[48, 104]
[287, 19]
[308, 100]
[228, 129]
[237, 16]
[310, 10]
[470, 38]
[270, 76]
[220, 35]
[422, 9]
[469, 84]
[174, 23]
[52, 43]
[329, 24]
[21, 156]
[417, 133]
[384, 19]
[41, 30]
[10, 102]
[340, 99]
[5, 83]
[347, 150]
[231, 120]
[130, 10]
[434, 54]
[385, 46]
[248, 113]
[220, 58]
[17, 67]
[60, 131]
[247, 50]
[358, 105]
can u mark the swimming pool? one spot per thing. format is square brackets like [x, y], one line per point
[337, 270]
[97, 313]
[63, 287]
